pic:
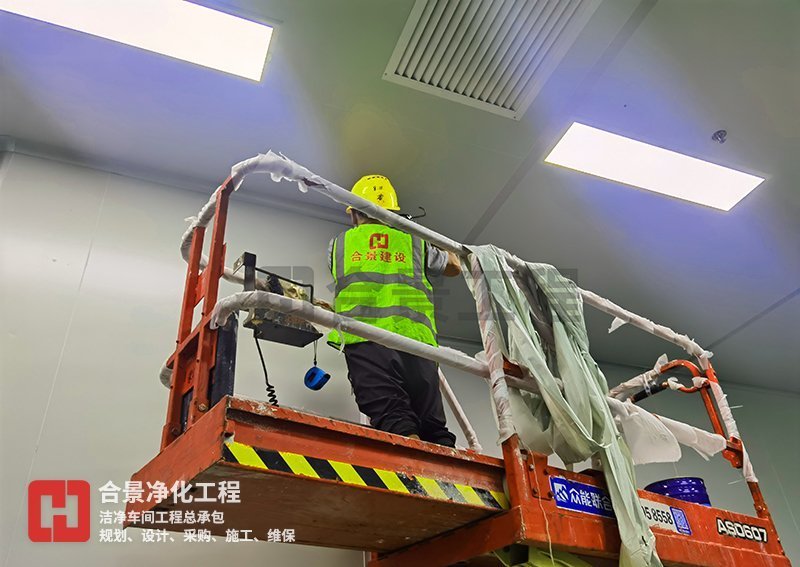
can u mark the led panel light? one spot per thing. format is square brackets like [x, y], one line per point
[631, 162]
[175, 28]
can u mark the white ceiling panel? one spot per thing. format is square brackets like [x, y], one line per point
[701, 271]
[765, 352]
[666, 72]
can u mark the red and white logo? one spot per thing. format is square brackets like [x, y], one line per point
[378, 240]
[58, 528]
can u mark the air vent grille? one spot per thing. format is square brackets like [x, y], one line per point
[490, 54]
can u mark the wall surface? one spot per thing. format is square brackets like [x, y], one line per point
[91, 280]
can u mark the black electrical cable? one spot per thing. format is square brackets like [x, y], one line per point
[272, 397]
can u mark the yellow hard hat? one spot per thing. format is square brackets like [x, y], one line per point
[376, 189]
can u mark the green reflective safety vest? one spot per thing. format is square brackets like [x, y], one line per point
[379, 277]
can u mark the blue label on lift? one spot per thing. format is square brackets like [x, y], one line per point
[681, 521]
[580, 497]
[589, 499]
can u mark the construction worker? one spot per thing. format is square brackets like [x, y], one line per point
[381, 278]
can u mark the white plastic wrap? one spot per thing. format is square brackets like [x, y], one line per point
[165, 375]
[705, 443]
[645, 324]
[254, 299]
[639, 428]
[724, 410]
[280, 167]
[444, 355]
[492, 341]
[615, 324]
[747, 467]
[649, 440]
[636, 383]
[202, 219]
[458, 411]
[729, 422]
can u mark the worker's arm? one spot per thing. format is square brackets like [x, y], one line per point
[453, 267]
[441, 263]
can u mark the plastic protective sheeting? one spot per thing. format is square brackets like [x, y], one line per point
[165, 375]
[305, 310]
[576, 423]
[493, 343]
[730, 423]
[648, 439]
[280, 167]
[623, 316]
[615, 324]
[444, 355]
[458, 411]
[652, 438]
[202, 219]
[706, 444]
[639, 382]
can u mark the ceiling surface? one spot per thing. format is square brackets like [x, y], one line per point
[668, 72]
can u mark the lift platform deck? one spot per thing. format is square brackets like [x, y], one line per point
[337, 484]
[343, 485]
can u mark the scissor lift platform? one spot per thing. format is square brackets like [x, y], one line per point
[338, 484]
[411, 503]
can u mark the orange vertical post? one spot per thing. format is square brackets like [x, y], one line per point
[194, 356]
[207, 337]
[180, 364]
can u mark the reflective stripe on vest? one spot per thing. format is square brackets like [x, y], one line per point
[379, 276]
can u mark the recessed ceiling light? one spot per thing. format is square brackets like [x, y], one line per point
[628, 161]
[171, 27]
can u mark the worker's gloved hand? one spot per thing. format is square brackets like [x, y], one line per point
[324, 304]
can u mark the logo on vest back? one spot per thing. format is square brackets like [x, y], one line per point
[378, 240]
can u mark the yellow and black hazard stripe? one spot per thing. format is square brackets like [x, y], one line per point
[294, 463]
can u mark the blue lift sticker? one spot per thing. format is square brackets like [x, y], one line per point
[580, 497]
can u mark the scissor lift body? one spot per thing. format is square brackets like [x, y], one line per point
[343, 485]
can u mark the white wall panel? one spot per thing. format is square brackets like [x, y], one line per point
[116, 322]
[47, 215]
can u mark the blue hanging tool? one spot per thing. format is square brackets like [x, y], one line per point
[316, 377]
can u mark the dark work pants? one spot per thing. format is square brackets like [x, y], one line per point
[399, 392]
